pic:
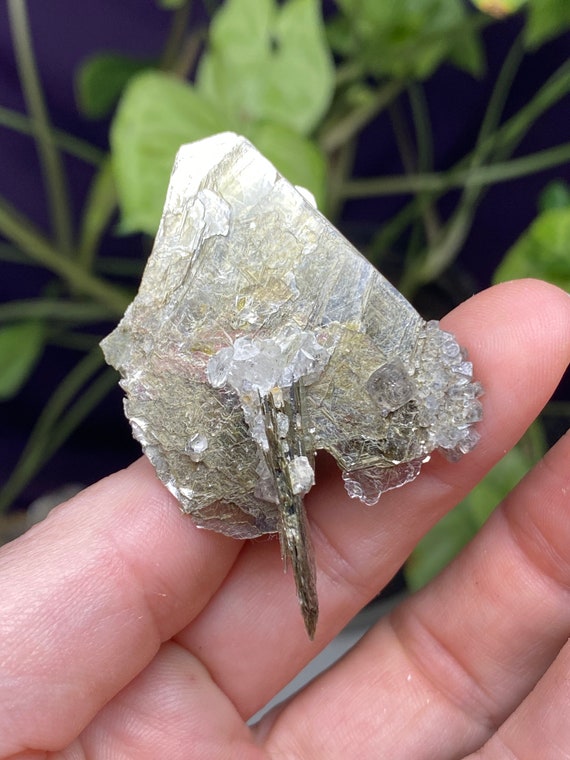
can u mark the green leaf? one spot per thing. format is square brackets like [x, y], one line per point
[100, 80]
[99, 207]
[555, 195]
[467, 51]
[299, 159]
[267, 62]
[444, 541]
[542, 251]
[21, 345]
[409, 39]
[156, 115]
[546, 19]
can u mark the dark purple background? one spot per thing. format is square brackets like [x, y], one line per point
[65, 32]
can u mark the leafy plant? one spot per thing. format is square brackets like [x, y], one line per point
[303, 88]
[542, 250]
[444, 541]
[267, 73]
[407, 40]
[20, 347]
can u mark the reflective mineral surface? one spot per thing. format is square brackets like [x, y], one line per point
[259, 336]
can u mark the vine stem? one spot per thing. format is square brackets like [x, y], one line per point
[47, 434]
[53, 309]
[496, 146]
[180, 19]
[98, 211]
[440, 182]
[50, 159]
[337, 134]
[20, 231]
[72, 145]
[425, 152]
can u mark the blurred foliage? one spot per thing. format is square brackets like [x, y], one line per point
[267, 73]
[302, 89]
[21, 344]
[101, 80]
[157, 114]
[555, 195]
[407, 39]
[542, 251]
[546, 19]
[446, 539]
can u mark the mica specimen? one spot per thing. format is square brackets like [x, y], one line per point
[260, 335]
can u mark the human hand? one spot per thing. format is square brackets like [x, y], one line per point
[126, 632]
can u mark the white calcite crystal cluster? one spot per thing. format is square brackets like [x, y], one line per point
[260, 336]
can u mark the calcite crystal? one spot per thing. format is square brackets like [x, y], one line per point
[259, 336]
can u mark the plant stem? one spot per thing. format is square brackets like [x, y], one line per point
[513, 130]
[498, 98]
[97, 213]
[20, 231]
[76, 341]
[340, 166]
[498, 146]
[72, 145]
[48, 308]
[50, 159]
[441, 182]
[348, 72]
[341, 131]
[34, 454]
[392, 230]
[120, 266]
[403, 138]
[424, 142]
[409, 158]
[441, 254]
[175, 36]
[189, 53]
[88, 400]
[10, 253]
[422, 126]
[519, 167]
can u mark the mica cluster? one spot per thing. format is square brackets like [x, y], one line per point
[260, 336]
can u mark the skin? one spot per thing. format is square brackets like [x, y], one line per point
[125, 632]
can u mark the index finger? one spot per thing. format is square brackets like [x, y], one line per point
[88, 596]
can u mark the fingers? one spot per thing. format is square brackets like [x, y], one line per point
[171, 710]
[449, 666]
[251, 635]
[539, 727]
[87, 597]
[89, 594]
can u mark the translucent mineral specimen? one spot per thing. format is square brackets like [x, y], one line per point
[260, 335]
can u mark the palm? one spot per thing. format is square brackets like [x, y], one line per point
[126, 632]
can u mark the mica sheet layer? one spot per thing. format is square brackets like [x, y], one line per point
[242, 253]
[259, 336]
